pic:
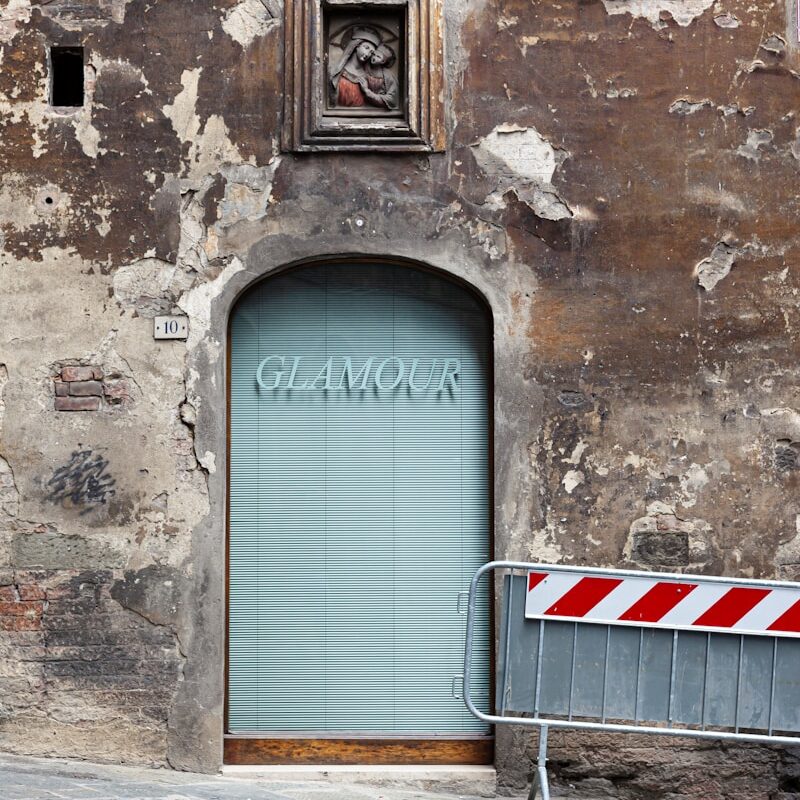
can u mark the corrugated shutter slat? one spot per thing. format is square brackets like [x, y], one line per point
[356, 517]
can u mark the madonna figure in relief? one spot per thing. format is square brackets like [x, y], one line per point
[362, 75]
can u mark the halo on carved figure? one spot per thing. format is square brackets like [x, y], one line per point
[342, 36]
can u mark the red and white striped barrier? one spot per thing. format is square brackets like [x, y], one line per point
[691, 604]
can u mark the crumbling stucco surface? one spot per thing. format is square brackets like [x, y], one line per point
[710, 271]
[523, 162]
[620, 183]
[249, 19]
[684, 12]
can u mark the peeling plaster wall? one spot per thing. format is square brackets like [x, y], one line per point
[619, 183]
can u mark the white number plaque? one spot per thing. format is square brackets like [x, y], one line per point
[174, 327]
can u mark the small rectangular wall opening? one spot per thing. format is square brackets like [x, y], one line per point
[66, 85]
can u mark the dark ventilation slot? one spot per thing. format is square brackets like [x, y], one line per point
[66, 64]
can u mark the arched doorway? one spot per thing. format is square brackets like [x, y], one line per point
[360, 402]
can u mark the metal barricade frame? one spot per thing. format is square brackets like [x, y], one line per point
[543, 720]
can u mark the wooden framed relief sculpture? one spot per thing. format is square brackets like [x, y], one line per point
[363, 76]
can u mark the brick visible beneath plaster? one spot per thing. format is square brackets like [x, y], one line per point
[79, 388]
[78, 373]
[77, 403]
[31, 592]
[20, 623]
[85, 389]
[116, 392]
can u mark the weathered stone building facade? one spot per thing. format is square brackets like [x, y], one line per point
[618, 181]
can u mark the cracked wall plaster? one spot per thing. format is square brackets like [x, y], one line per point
[150, 286]
[523, 160]
[181, 112]
[247, 193]
[44, 118]
[543, 546]
[710, 271]
[756, 139]
[664, 540]
[86, 133]
[726, 20]
[125, 354]
[684, 12]
[774, 44]
[795, 146]
[33, 111]
[210, 145]
[524, 151]
[196, 303]
[572, 480]
[213, 148]
[9, 496]
[193, 255]
[13, 14]
[731, 109]
[683, 107]
[250, 19]
[72, 16]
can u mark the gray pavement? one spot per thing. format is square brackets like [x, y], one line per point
[23, 778]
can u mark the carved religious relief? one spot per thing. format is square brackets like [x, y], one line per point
[363, 76]
[363, 67]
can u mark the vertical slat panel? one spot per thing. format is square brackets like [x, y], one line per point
[522, 682]
[589, 672]
[786, 712]
[356, 516]
[754, 698]
[690, 664]
[721, 686]
[655, 675]
[556, 662]
[622, 673]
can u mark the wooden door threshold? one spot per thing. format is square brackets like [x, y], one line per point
[249, 750]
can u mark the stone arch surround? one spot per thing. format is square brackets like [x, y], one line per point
[196, 716]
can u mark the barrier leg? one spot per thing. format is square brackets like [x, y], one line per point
[540, 776]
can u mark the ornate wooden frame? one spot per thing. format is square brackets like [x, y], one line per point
[306, 128]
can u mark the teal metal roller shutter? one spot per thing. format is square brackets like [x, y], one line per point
[359, 501]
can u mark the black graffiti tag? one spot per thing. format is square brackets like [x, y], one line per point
[84, 481]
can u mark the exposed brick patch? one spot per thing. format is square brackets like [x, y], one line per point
[77, 403]
[116, 391]
[67, 645]
[96, 647]
[86, 388]
[31, 592]
[21, 616]
[78, 388]
[79, 373]
[21, 607]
